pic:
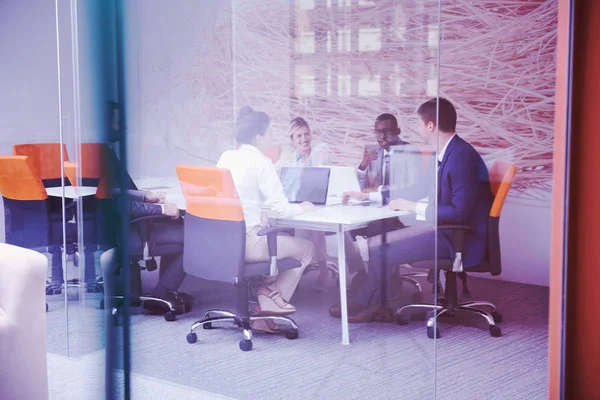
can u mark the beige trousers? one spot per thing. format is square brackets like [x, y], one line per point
[287, 247]
[354, 261]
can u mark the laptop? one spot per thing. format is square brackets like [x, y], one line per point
[342, 179]
[305, 184]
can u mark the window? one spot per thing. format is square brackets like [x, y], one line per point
[369, 86]
[344, 85]
[344, 41]
[306, 4]
[306, 42]
[432, 36]
[369, 39]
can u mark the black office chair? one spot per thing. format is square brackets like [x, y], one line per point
[215, 242]
[140, 259]
[501, 178]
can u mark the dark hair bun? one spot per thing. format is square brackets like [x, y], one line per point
[244, 111]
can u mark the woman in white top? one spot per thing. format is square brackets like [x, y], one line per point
[259, 188]
[306, 153]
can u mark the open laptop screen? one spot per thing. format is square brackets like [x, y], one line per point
[305, 184]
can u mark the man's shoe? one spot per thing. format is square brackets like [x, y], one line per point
[383, 315]
[336, 309]
[363, 314]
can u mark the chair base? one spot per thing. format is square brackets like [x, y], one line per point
[54, 288]
[173, 309]
[492, 318]
[223, 316]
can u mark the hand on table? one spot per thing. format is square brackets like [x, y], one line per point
[360, 196]
[171, 210]
[307, 206]
[155, 197]
[403, 205]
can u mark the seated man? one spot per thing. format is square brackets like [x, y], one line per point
[380, 173]
[464, 197]
[162, 231]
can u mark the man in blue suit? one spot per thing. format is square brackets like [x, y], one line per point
[463, 197]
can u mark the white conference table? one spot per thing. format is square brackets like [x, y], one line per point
[71, 192]
[339, 219]
[336, 218]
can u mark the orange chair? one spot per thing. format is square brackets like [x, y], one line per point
[45, 160]
[32, 219]
[215, 243]
[502, 175]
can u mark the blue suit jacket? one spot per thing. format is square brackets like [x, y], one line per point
[463, 197]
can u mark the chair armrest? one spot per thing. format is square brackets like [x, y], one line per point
[459, 235]
[271, 233]
[143, 227]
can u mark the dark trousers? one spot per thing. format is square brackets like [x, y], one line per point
[168, 232]
[90, 265]
[411, 244]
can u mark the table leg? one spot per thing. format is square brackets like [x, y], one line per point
[383, 290]
[342, 275]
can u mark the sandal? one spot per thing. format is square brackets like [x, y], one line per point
[265, 325]
[271, 302]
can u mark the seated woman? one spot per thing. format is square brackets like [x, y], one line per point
[305, 153]
[259, 188]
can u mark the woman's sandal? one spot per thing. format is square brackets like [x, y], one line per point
[271, 302]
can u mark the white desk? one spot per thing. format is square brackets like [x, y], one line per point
[339, 219]
[71, 192]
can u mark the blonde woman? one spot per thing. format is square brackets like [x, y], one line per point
[306, 153]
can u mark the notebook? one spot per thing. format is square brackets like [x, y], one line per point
[305, 184]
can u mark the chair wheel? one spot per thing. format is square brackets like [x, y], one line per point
[433, 333]
[400, 319]
[417, 297]
[245, 345]
[191, 338]
[495, 331]
[207, 325]
[418, 316]
[102, 304]
[170, 316]
[498, 318]
[291, 334]
[46, 307]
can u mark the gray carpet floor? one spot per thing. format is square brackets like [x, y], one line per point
[383, 361]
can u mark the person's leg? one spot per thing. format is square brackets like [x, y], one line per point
[354, 260]
[57, 271]
[287, 247]
[320, 255]
[403, 246]
[171, 273]
[89, 273]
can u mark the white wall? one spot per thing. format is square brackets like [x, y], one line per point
[165, 64]
[28, 74]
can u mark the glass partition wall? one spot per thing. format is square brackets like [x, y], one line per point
[345, 84]
[355, 72]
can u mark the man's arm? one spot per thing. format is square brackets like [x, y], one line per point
[464, 183]
[141, 209]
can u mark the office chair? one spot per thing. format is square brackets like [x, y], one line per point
[214, 250]
[45, 161]
[31, 219]
[501, 177]
[141, 258]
